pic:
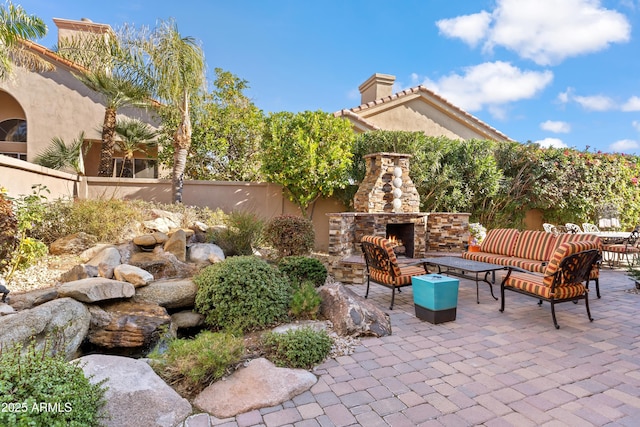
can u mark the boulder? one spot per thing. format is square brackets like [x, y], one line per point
[126, 324]
[136, 395]
[6, 309]
[169, 293]
[63, 321]
[80, 271]
[106, 260]
[146, 240]
[177, 245]
[94, 289]
[205, 253]
[261, 384]
[72, 244]
[351, 314]
[30, 299]
[186, 319]
[93, 251]
[161, 264]
[132, 274]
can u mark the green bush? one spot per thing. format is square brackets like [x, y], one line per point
[305, 301]
[242, 293]
[299, 348]
[290, 235]
[38, 389]
[8, 232]
[302, 268]
[242, 233]
[197, 362]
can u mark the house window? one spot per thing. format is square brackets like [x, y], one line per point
[19, 156]
[13, 130]
[142, 168]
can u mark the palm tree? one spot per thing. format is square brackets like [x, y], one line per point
[15, 26]
[61, 156]
[118, 91]
[178, 69]
[134, 136]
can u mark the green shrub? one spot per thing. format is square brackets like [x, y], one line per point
[301, 268]
[30, 250]
[8, 232]
[290, 235]
[197, 362]
[242, 233]
[305, 301]
[299, 348]
[242, 293]
[31, 378]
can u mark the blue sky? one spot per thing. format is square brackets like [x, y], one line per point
[559, 72]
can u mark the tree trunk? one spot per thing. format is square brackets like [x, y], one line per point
[108, 143]
[181, 145]
[127, 167]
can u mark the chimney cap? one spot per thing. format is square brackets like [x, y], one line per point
[377, 78]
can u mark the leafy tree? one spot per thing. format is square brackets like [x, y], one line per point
[227, 128]
[134, 136]
[15, 26]
[61, 156]
[176, 65]
[308, 153]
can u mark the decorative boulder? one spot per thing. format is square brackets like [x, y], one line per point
[205, 253]
[261, 384]
[80, 271]
[30, 299]
[72, 244]
[136, 395]
[96, 289]
[161, 264]
[351, 314]
[132, 274]
[169, 293]
[64, 321]
[177, 245]
[126, 324]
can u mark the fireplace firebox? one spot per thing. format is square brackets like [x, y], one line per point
[401, 235]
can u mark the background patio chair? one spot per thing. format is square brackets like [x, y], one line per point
[383, 268]
[573, 228]
[590, 228]
[628, 250]
[548, 227]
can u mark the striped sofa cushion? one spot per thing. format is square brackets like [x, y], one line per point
[538, 285]
[500, 241]
[562, 252]
[535, 245]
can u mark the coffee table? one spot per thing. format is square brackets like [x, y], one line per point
[466, 269]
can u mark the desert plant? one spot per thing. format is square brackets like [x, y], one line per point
[305, 301]
[241, 235]
[302, 268]
[194, 363]
[242, 293]
[290, 235]
[8, 231]
[30, 378]
[297, 348]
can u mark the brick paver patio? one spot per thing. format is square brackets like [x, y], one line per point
[485, 368]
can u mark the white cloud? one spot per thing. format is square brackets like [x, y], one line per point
[551, 142]
[624, 146]
[544, 31]
[632, 104]
[470, 28]
[556, 126]
[490, 84]
[595, 102]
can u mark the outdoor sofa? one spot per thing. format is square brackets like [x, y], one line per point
[530, 250]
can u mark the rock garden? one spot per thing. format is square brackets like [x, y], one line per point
[176, 314]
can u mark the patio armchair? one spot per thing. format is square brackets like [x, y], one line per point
[565, 279]
[383, 267]
[548, 227]
[587, 227]
[627, 250]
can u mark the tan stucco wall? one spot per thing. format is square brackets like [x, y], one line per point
[17, 177]
[418, 115]
[56, 104]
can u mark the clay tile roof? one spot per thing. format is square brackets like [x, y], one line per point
[352, 112]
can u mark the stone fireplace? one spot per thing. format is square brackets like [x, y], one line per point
[387, 204]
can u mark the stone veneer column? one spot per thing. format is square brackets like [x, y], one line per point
[447, 232]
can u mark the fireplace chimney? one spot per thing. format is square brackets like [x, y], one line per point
[387, 187]
[376, 87]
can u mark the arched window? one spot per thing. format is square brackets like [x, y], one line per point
[13, 130]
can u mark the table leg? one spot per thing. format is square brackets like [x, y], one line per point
[493, 276]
